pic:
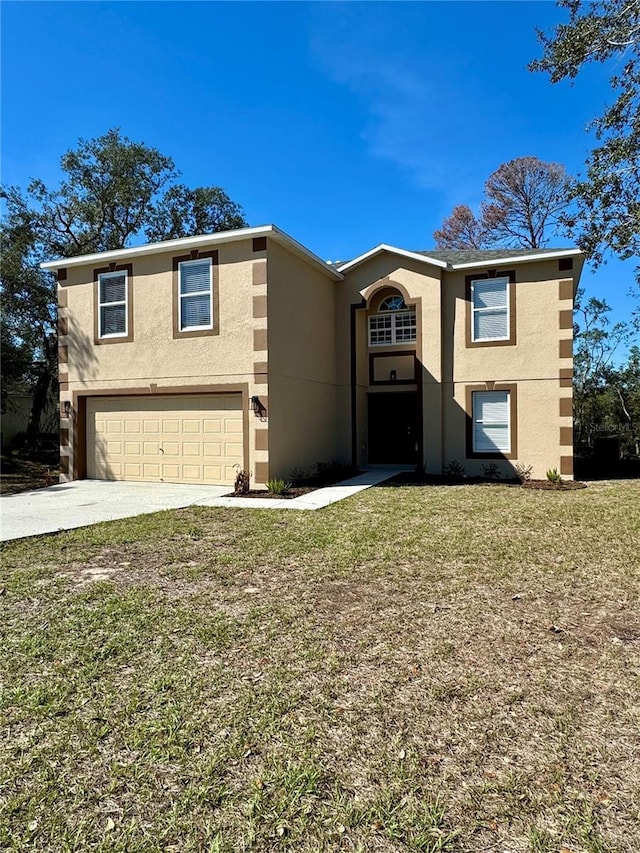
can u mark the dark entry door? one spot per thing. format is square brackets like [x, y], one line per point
[393, 428]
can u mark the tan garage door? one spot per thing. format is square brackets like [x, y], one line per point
[181, 439]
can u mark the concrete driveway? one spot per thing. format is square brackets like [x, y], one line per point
[85, 502]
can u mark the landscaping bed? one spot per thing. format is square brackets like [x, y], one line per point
[420, 479]
[292, 492]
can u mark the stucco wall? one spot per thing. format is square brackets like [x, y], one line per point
[153, 353]
[539, 363]
[420, 284]
[536, 364]
[154, 361]
[302, 364]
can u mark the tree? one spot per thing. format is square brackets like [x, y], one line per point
[114, 190]
[607, 198]
[606, 394]
[523, 201]
[461, 230]
[29, 307]
[185, 212]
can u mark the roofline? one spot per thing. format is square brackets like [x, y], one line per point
[384, 247]
[511, 259]
[518, 259]
[191, 243]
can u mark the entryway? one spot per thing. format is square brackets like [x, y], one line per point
[393, 428]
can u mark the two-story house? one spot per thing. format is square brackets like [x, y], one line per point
[186, 360]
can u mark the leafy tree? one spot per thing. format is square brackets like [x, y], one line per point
[523, 201]
[29, 305]
[185, 212]
[607, 198]
[113, 191]
[606, 393]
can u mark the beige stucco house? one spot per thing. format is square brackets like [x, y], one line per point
[186, 360]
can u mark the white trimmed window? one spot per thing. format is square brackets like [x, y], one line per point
[195, 295]
[491, 421]
[393, 324]
[490, 301]
[112, 309]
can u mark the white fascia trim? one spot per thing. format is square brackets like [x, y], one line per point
[192, 243]
[517, 259]
[383, 247]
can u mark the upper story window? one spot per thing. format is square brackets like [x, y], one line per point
[490, 309]
[395, 323]
[196, 295]
[113, 299]
[113, 304]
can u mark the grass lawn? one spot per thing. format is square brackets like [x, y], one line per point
[415, 669]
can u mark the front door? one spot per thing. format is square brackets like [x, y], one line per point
[393, 428]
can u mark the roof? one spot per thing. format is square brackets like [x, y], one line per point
[270, 231]
[458, 259]
[447, 259]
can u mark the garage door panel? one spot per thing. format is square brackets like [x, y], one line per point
[180, 427]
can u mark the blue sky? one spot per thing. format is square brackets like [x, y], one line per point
[346, 124]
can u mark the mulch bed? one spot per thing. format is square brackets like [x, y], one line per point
[548, 486]
[410, 478]
[293, 492]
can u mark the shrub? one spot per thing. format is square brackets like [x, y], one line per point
[553, 476]
[278, 487]
[490, 471]
[241, 484]
[298, 475]
[523, 472]
[326, 473]
[454, 469]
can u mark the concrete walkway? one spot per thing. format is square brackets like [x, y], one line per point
[85, 502]
[318, 499]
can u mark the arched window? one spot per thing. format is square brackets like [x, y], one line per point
[395, 323]
[393, 303]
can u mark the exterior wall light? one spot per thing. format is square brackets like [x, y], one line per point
[257, 407]
[392, 376]
[67, 407]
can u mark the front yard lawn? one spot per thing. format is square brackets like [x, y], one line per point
[415, 669]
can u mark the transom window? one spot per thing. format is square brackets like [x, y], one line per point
[112, 308]
[490, 301]
[195, 295]
[491, 422]
[394, 323]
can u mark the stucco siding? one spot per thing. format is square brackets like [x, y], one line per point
[302, 364]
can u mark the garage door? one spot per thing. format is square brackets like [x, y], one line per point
[178, 439]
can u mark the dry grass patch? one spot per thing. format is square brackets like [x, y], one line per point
[415, 669]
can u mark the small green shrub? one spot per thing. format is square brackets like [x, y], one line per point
[553, 476]
[278, 487]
